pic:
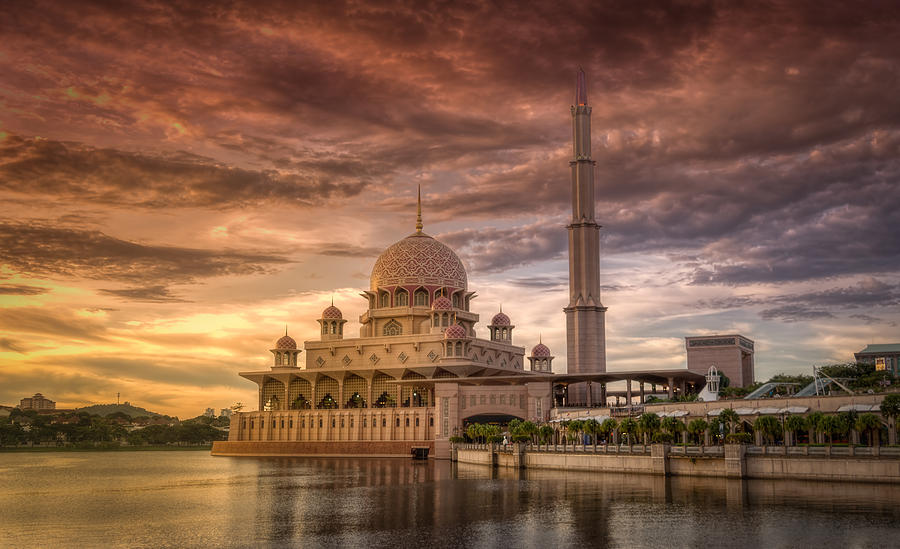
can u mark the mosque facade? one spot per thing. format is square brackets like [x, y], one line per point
[418, 372]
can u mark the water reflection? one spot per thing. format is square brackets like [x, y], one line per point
[193, 500]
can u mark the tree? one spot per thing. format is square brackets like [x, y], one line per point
[768, 426]
[890, 409]
[648, 423]
[716, 426]
[814, 423]
[672, 425]
[628, 427]
[608, 427]
[871, 425]
[793, 424]
[833, 425]
[574, 429]
[730, 418]
[545, 434]
[592, 428]
[697, 427]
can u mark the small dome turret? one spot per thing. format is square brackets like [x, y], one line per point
[541, 359]
[332, 313]
[286, 342]
[456, 331]
[540, 350]
[442, 303]
[285, 351]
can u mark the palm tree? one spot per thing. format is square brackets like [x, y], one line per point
[648, 423]
[814, 423]
[731, 418]
[871, 425]
[608, 427]
[890, 409]
[545, 433]
[574, 429]
[716, 427]
[697, 427]
[592, 428]
[768, 426]
[672, 425]
[792, 424]
[833, 425]
[629, 427]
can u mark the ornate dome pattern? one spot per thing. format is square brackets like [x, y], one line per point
[332, 313]
[500, 319]
[442, 304]
[286, 343]
[418, 259]
[540, 350]
[455, 332]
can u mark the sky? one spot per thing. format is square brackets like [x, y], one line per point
[178, 182]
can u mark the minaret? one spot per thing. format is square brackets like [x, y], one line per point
[585, 323]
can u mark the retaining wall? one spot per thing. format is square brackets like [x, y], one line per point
[331, 448]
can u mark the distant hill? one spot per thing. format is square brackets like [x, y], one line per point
[107, 409]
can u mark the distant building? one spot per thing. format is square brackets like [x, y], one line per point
[225, 412]
[37, 402]
[732, 355]
[885, 356]
[210, 412]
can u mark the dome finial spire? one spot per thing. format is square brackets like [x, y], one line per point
[419, 212]
[285, 329]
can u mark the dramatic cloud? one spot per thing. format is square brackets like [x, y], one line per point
[21, 289]
[159, 159]
[43, 250]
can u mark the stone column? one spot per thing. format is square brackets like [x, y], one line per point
[735, 461]
[670, 388]
[590, 394]
[603, 394]
[659, 456]
[642, 393]
[628, 394]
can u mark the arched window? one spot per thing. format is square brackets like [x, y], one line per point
[333, 327]
[459, 350]
[456, 301]
[385, 300]
[324, 328]
[445, 318]
[393, 328]
[421, 298]
[402, 298]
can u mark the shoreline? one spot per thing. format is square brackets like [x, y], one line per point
[158, 448]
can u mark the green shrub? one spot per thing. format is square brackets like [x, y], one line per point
[663, 437]
[457, 440]
[738, 438]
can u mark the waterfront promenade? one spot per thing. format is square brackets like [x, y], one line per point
[831, 463]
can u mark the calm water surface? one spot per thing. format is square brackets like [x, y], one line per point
[190, 499]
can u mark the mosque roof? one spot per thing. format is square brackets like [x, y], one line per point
[418, 260]
[500, 319]
[332, 313]
[540, 350]
[442, 303]
[286, 342]
[456, 331]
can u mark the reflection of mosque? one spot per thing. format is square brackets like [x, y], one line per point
[418, 372]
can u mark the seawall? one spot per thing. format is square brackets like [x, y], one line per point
[731, 461]
[322, 449]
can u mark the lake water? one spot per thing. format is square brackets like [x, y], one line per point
[190, 499]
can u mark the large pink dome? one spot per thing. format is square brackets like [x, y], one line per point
[417, 260]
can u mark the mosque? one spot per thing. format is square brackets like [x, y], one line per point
[418, 373]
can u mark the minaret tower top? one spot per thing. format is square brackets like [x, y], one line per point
[585, 322]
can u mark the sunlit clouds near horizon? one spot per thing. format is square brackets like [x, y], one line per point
[179, 183]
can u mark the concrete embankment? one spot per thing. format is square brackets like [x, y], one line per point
[322, 448]
[731, 461]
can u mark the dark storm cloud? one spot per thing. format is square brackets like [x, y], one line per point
[492, 249]
[21, 289]
[44, 250]
[109, 176]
